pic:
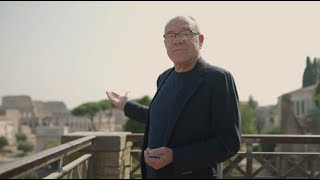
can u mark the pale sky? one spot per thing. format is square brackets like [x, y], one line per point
[75, 51]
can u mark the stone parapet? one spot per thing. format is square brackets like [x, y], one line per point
[111, 154]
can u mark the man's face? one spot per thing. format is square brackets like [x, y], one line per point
[183, 49]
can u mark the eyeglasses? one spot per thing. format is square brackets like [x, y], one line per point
[182, 35]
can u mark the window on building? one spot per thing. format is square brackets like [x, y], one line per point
[302, 107]
[298, 107]
[2, 112]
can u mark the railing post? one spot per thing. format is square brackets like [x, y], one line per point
[313, 166]
[111, 154]
[279, 166]
[249, 149]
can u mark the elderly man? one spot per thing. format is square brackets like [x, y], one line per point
[193, 122]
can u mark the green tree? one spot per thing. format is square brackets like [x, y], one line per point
[90, 109]
[309, 76]
[316, 69]
[32, 175]
[135, 126]
[145, 100]
[311, 72]
[252, 103]
[25, 147]
[105, 104]
[51, 144]
[3, 142]
[317, 95]
[21, 137]
[272, 129]
[314, 114]
[247, 119]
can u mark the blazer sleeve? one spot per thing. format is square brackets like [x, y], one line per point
[226, 137]
[136, 111]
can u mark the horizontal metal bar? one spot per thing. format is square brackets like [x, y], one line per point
[24, 166]
[67, 168]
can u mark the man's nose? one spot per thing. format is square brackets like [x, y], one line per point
[177, 39]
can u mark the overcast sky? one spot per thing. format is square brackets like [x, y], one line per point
[75, 51]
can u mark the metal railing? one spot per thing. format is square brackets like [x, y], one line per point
[76, 169]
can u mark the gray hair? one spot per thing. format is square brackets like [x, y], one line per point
[192, 21]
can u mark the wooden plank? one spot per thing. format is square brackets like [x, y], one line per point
[265, 164]
[233, 163]
[318, 176]
[135, 154]
[281, 139]
[279, 166]
[249, 160]
[136, 137]
[242, 177]
[283, 153]
[295, 166]
[313, 165]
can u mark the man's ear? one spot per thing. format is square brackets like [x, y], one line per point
[201, 39]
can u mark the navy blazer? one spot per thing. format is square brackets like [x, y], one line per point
[207, 127]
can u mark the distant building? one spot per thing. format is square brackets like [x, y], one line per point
[303, 100]
[9, 120]
[7, 129]
[293, 109]
[35, 118]
[21, 103]
[48, 109]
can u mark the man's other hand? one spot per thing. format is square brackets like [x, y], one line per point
[158, 158]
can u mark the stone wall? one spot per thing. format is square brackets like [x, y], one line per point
[44, 109]
[111, 154]
[7, 129]
[2, 111]
[9, 121]
[48, 137]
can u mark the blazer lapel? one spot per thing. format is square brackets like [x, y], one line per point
[186, 94]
